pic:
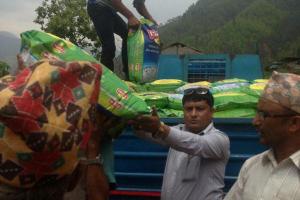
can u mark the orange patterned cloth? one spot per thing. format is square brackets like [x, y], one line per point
[47, 114]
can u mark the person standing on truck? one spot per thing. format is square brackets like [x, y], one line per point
[198, 151]
[107, 22]
[274, 174]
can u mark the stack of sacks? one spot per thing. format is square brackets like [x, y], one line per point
[231, 100]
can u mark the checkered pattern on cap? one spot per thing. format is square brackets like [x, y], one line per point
[284, 89]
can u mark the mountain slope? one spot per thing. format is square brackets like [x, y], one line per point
[268, 27]
[9, 47]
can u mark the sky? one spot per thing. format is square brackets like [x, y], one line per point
[17, 16]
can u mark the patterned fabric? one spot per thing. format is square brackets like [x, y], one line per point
[46, 117]
[284, 89]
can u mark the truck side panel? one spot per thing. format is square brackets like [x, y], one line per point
[139, 164]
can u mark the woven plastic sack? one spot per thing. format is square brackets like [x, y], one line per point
[115, 96]
[232, 100]
[167, 112]
[204, 84]
[229, 87]
[143, 47]
[46, 117]
[135, 87]
[236, 113]
[165, 85]
[175, 101]
[157, 99]
[260, 81]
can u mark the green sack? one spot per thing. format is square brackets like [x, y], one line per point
[157, 99]
[170, 113]
[203, 84]
[232, 100]
[37, 45]
[115, 95]
[135, 87]
[229, 87]
[226, 81]
[143, 47]
[236, 113]
[165, 85]
[175, 101]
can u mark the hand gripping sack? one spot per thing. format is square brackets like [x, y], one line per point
[46, 117]
[143, 47]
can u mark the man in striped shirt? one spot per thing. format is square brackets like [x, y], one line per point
[107, 22]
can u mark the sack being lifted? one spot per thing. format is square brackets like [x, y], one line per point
[115, 95]
[143, 48]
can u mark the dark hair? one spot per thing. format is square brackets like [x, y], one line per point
[198, 94]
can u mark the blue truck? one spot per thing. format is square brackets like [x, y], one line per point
[139, 164]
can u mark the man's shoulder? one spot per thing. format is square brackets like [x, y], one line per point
[218, 132]
[179, 126]
[101, 2]
[255, 159]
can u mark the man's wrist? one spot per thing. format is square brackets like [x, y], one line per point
[97, 160]
[162, 132]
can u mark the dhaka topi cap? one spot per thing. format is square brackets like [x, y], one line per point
[284, 89]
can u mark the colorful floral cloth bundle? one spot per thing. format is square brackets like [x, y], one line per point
[47, 114]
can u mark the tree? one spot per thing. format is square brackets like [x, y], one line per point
[4, 69]
[68, 19]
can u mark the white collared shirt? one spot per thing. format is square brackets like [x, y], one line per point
[195, 165]
[262, 178]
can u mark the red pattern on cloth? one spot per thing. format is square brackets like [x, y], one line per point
[46, 117]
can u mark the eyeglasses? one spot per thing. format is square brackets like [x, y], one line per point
[197, 90]
[262, 114]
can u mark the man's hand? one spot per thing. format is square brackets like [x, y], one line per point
[153, 20]
[148, 123]
[133, 22]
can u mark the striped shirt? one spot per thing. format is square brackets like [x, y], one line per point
[195, 164]
[262, 178]
[109, 3]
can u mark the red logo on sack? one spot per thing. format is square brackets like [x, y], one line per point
[121, 93]
[58, 47]
[152, 34]
[115, 104]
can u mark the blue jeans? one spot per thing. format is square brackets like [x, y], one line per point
[107, 22]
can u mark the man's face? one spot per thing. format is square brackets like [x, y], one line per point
[272, 128]
[197, 115]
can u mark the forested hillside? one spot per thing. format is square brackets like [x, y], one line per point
[268, 27]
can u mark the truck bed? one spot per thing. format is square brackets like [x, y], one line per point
[139, 164]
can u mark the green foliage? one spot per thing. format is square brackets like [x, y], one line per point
[68, 19]
[4, 69]
[268, 27]
[243, 34]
